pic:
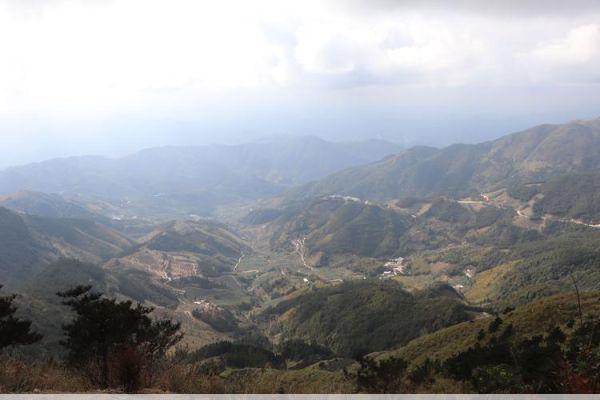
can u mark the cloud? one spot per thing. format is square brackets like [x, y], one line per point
[114, 56]
[580, 46]
[572, 58]
[389, 52]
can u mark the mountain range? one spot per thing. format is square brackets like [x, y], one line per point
[302, 262]
[461, 170]
[192, 180]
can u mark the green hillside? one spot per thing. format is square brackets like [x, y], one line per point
[29, 243]
[80, 238]
[215, 246]
[205, 237]
[571, 196]
[21, 251]
[527, 320]
[548, 267]
[340, 226]
[364, 316]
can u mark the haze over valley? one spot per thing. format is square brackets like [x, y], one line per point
[268, 197]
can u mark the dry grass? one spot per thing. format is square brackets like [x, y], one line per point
[18, 376]
[192, 378]
[189, 378]
[305, 381]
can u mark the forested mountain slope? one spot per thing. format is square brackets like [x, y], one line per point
[28, 243]
[460, 170]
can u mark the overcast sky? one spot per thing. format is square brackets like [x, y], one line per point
[113, 76]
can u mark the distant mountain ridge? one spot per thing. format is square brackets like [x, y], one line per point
[533, 155]
[195, 177]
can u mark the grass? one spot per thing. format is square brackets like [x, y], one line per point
[19, 376]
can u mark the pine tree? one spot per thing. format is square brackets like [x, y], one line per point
[14, 331]
[115, 337]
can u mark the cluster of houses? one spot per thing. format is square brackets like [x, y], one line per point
[469, 273]
[396, 267]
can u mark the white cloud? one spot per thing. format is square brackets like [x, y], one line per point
[580, 45]
[426, 51]
[570, 58]
[111, 54]
[78, 57]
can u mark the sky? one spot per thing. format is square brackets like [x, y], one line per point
[114, 76]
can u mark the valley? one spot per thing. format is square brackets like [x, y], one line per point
[411, 256]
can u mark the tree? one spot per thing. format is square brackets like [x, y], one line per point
[537, 364]
[115, 341]
[14, 331]
[583, 354]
